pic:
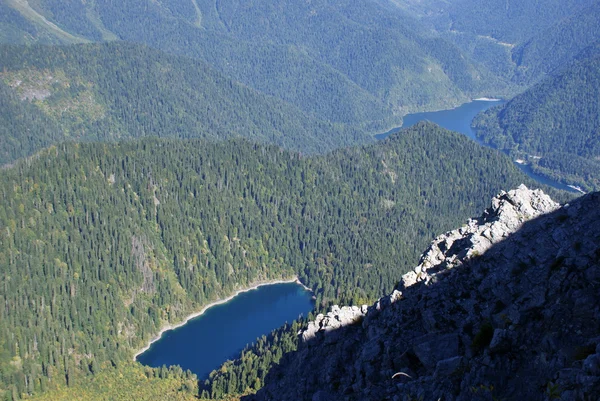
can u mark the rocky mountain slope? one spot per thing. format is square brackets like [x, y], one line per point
[504, 308]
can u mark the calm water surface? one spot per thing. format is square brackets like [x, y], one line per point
[459, 120]
[207, 341]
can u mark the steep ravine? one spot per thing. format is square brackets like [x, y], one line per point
[505, 308]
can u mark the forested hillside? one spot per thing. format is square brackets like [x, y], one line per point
[246, 374]
[104, 243]
[116, 91]
[554, 125]
[363, 63]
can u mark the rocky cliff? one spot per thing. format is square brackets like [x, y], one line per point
[505, 308]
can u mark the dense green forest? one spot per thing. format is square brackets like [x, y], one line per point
[120, 213]
[115, 91]
[555, 124]
[102, 244]
[509, 21]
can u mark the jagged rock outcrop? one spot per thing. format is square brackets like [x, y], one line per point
[336, 318]
[513, 317]
[507, 213]
[346, 315]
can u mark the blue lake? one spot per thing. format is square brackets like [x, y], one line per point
[204, 343]
[459, 120]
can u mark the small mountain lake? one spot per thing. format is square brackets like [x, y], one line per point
[459, 119]
[222, 331]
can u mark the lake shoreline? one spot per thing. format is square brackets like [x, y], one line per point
[194, 315]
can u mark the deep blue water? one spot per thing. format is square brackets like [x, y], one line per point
[219, 334]
[459, 120]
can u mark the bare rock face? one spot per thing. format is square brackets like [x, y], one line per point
[507, 213]
[336, 318]
[506, 307]
[346, 315]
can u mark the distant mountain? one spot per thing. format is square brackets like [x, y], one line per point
[555, 124]
[103, 244]
[117, 90]
[363, 63]
[510, 21]
[553, 48]
[518, 40]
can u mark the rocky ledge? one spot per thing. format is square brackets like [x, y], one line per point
[504, 308]
[337, 317]
[508, 212]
